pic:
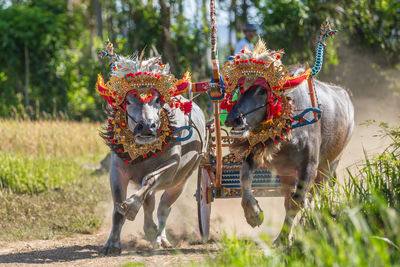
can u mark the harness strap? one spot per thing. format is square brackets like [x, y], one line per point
[187, 137]
[304, 122]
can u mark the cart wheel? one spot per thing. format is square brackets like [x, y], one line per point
[204, 199]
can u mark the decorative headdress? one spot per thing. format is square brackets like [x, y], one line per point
[143, 79]
[262, 67]
[251, 65]
[138, 77]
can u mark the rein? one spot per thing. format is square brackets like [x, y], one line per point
[253, 110]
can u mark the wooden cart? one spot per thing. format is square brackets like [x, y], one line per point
[219, 175]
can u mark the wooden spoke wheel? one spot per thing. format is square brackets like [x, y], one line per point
[204, 199]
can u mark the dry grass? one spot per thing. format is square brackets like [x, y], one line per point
[54, 213]
[44, 189]
[52, 138]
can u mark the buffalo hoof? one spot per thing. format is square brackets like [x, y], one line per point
[130, 207]
[110, 250]
[252, 211]
[162, 242]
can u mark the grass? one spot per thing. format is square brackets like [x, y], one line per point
[44, 189]
[53, 213]
[25, 174]
[61, 139]
[355, 223]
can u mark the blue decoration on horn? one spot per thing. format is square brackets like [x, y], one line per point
[108, 51]
[326, 31]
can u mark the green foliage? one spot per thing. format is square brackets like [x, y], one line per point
[49, 46]
[30, 175]
[372, 26]
[42, 31]
[46, 36]
[356, 223]
[286, 24]
[365, 54]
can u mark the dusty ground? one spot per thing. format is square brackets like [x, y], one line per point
[227, 216]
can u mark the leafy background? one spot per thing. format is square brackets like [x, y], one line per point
[48, 47]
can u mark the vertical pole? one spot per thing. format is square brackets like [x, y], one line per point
[214, 45]
[218, 147]
[216, 79]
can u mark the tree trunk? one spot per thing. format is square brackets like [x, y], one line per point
[232, 26]
[133, 31]
[97, 7]
[236, 21]
[166, 35]
[243, 16]
[27, 73]
[110, 22]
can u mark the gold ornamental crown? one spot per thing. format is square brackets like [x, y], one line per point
[141, 77]
[144, 84]
[251, 65]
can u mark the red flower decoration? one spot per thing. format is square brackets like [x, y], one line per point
[276, 109]
[187, 107]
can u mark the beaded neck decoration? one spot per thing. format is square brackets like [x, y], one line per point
[260, 67]
[143, 79]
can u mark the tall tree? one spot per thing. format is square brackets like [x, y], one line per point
[99, 19]
[166, 34]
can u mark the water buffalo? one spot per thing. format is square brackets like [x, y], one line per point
[305, 158]
[168, 169]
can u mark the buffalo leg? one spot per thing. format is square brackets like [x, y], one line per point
[167, 199]
[149, 227]
[252, 211]
[130, 207]
[119, 184]
[295, 201]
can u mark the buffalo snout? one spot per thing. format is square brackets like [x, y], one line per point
[145, 127]
[235, 120]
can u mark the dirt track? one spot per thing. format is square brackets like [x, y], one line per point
[227, 215]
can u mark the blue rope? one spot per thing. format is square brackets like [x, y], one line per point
[187, 137]
[307, 122]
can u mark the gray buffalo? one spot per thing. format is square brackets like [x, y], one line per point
[166, 170]
[301, 161]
